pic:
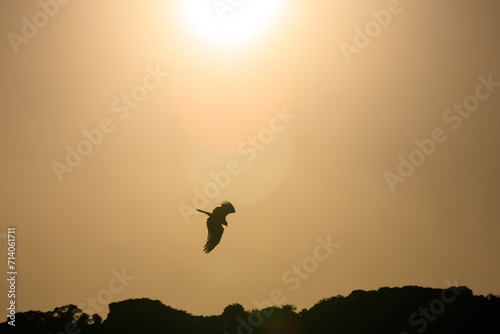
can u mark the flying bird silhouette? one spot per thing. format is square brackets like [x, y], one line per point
[215, 221]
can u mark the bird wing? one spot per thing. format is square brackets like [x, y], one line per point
[224, 209]
[215, 231]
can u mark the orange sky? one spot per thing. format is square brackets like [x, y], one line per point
[303, 122]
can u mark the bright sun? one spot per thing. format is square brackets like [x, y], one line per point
[229, 22]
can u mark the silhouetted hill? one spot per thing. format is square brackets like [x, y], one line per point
[151, 316]
[404, 310]
[408, 309]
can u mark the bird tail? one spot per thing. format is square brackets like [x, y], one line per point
[208, 213]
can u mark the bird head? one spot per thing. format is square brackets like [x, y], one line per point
[224, 209]
[228, 207]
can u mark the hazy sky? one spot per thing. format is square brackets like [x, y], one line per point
[117, 116]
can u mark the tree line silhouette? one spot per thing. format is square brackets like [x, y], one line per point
[405, 310]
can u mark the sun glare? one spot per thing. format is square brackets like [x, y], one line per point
[229, 22]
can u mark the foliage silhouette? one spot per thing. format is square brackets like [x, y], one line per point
[409, 309]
